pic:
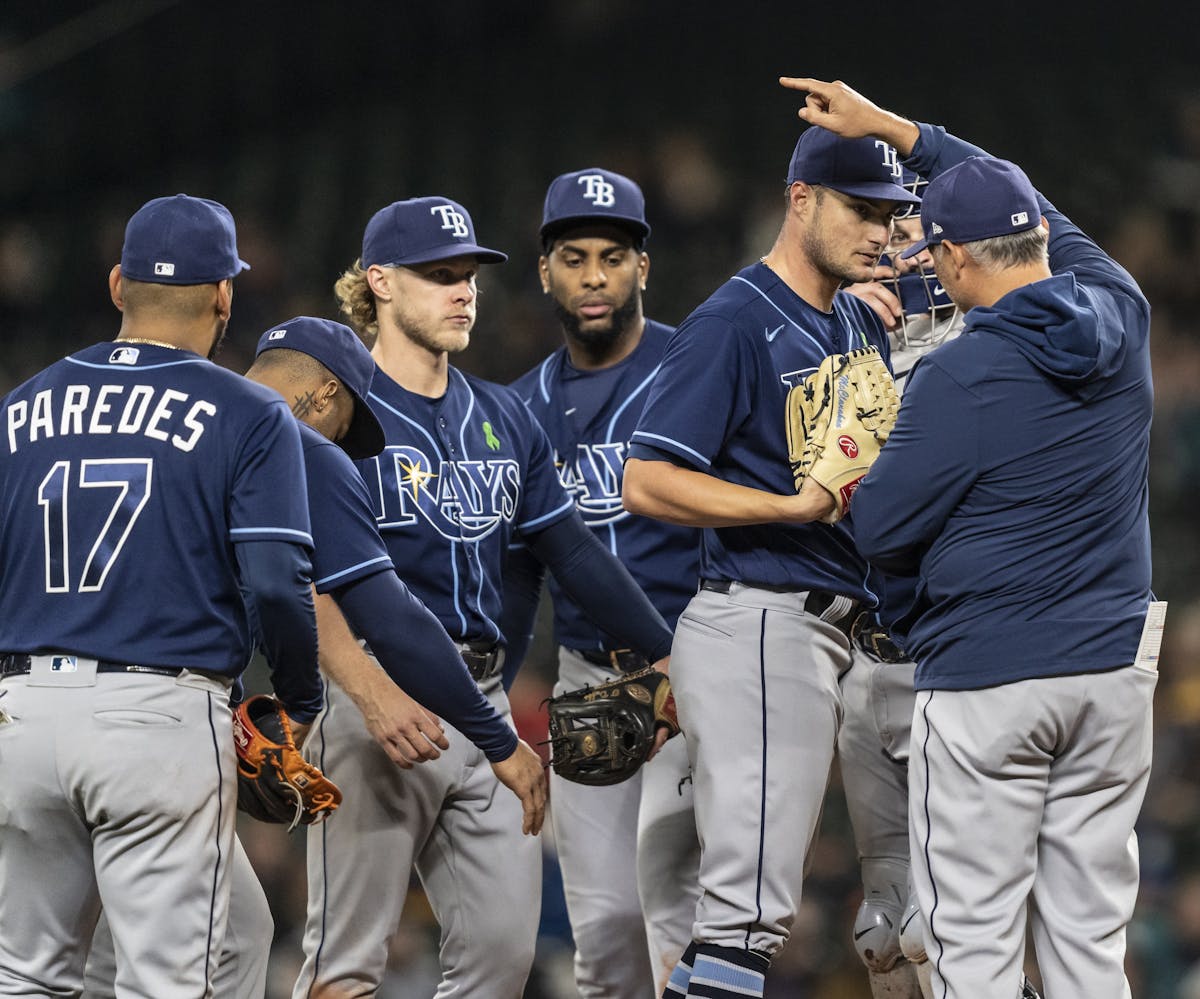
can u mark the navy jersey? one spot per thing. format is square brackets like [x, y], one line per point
[718, 405]
[127, 474]
[590, 443]
[347, 546]
[460, 475]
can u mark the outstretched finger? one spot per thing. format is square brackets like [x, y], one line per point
[805, 83]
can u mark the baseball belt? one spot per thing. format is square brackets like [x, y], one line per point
[618, 660]
[20, 664]
[875, 640]
[816, 603]
[482, 662]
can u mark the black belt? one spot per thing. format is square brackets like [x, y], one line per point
[482, 663]
[21, 663]
[874, 639]
[816, 603]
[618, 660]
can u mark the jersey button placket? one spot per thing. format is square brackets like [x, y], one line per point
[447, 442]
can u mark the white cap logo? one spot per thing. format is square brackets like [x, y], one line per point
[597, 190]
[164, 270]
[452, 221]
[1020, 218]
[276, 334]
[936, 230]
[891, 159]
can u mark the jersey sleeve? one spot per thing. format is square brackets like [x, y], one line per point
[700, 394]
[346, 543]
[269, 499]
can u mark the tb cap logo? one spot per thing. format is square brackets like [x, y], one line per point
[891, 159]
[452, 220]
[597, 190]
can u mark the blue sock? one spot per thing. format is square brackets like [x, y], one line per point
[727, 973]
[677, 984]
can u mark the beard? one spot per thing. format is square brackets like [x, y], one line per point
[218, 341]
[817, 248]
[428, 336]
[824, 261]
[597, 339]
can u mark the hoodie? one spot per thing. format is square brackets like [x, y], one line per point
[1015, 483]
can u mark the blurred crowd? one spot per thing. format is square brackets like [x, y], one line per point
[300, 205]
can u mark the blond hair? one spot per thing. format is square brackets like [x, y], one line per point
[357, 303]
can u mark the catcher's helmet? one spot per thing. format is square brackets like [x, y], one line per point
[929, 314]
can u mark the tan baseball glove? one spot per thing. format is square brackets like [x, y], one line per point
[838, 418]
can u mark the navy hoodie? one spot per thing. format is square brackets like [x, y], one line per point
[1014, 484]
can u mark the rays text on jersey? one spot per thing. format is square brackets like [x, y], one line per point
[593, 481]
[463, 500]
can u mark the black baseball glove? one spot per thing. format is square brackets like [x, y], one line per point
[602, 735]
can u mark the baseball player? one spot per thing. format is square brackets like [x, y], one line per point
[322, 369]
[465, 470]
[1015, 484]
[587, 396]
[145, 491]
[759, 649]
[877, 691]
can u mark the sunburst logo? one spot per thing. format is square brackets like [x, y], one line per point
[414, 476]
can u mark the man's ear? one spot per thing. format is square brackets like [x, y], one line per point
[114, 288]
[379, 281]
[801, 196]
[327, 392]
[957, 255]
[225, 298]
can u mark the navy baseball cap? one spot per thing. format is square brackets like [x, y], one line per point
[342, 352]
[863, 168]
[421, 230]
[979, 198]
[594, 195]
[181, 240]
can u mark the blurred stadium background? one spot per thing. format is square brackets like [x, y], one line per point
[306, 117]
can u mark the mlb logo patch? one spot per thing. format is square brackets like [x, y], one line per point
[164, 269]
[276, 334]
[1020, 218]
[123, 355]
[63, 664]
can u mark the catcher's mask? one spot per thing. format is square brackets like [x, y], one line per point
[929, 315]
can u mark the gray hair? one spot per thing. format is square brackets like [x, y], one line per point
[1016, 250]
